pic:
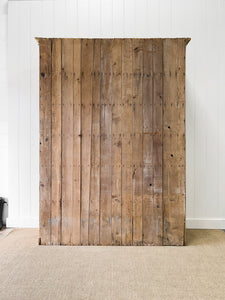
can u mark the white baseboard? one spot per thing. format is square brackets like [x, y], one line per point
[202, 223]
[22, 222]
[192, 223]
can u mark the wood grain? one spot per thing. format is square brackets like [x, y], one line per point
[45, 141]
[106, 143]
[95, 147]
[148, 173]
[137, 140]
[76, 142]
[174, 142]
[56, 143]
[67, 141]
[116, 142]
[86, 127]
[157, 229]
[127, 130]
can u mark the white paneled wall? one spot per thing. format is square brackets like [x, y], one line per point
[3, 103]
[202, 20]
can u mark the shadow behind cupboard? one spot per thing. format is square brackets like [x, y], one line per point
[112, 141]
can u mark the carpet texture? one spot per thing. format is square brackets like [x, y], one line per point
[30, 272]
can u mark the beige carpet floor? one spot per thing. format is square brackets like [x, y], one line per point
[30, 272]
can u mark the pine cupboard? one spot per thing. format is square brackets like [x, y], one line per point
[112, 141]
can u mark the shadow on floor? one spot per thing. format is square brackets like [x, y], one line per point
[4, 232]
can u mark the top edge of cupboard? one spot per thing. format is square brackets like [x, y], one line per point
[186, 39]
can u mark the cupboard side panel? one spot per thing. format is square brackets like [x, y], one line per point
[174, 141]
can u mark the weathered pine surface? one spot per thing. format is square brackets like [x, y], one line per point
[112, 141]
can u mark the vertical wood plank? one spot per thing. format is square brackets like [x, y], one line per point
[126, 130]
[76, 142]
[148, 174]
[157, 69]
[137, 140]
[174, 141]
[86, 126]
[56, 142]
[106, 147]
[45, 141]
[116, 142]
[95, 147]
[67, 141]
